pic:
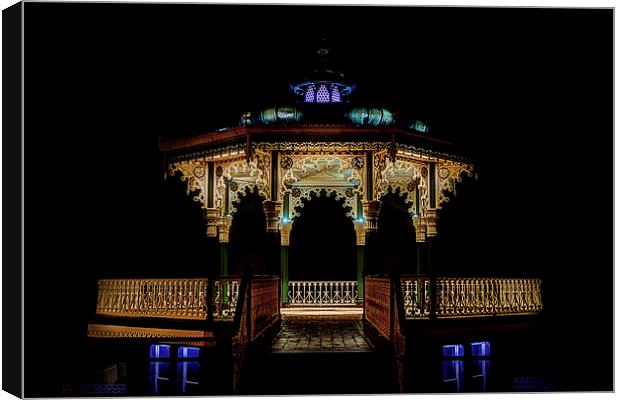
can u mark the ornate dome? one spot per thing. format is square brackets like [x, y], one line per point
[324, 84]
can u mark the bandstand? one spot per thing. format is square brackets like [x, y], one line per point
[321, 146]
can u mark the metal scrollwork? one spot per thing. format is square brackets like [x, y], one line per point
[192, 172]
[314, 173]
[357, 162]
[449, 174]
[240, 175]
[403, 176]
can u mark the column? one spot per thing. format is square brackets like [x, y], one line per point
[212, 218]
[431, 217]
[272, 210]
[420, 237]
[285, 234]
[223, 234]
[360, 233]
[371, 219]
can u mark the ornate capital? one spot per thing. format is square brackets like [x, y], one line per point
[431, 216]
[272, 210]
[223, 228]
[420, 229]
[371, 214]
[285, 232]
[360, 233]
[212, 217]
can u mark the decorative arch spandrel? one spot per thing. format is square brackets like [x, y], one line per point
[448, 174]
[194, 172]
[238, 174]
[339, 174]
[403, 176]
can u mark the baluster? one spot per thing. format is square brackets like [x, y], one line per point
[512, 291]
[441, 294]
[467, 294]
[487, 285]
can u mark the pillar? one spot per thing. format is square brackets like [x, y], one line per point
[371, 219]
[360, 234]
[211, 218]
[420, 237]
[285, 234]
[223, 234]
[431, 233]
[272, 210]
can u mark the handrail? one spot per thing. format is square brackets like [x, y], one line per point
[153, 298]
[257, 309]
[187, 299]
[322, 292]
[463, 297]
[389, 302]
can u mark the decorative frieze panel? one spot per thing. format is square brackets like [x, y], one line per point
[321, 147]
[448, 174]
[404, 176]
[338, 174]
[194, 172]
[237, 175]
[135, 332]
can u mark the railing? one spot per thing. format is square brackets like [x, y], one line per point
[322, 292]
[416, 292]
[159, 298]
[265, 304]
[225, 295]
[456, 297]
[378, 305]
[168, 298]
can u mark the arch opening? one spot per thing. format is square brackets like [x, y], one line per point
[396, 234]
[322, 241]
[248, 238]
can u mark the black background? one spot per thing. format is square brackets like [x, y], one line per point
[527, 91]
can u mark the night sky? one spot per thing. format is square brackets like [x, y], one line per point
[527, 92]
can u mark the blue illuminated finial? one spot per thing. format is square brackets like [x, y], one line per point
[325, 84]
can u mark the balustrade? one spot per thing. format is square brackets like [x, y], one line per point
[416, 291]
[456, 297]
[225, 295]
[265, 304]
[322, 292]
[167, 298]
[162, 298]
[377, 305]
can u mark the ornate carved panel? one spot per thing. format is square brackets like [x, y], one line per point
[404, 174]
[321, 147]
[447, 175]
[194, 172]
[238, 174]
[302, 174]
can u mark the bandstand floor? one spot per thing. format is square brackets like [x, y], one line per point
[319, 329]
